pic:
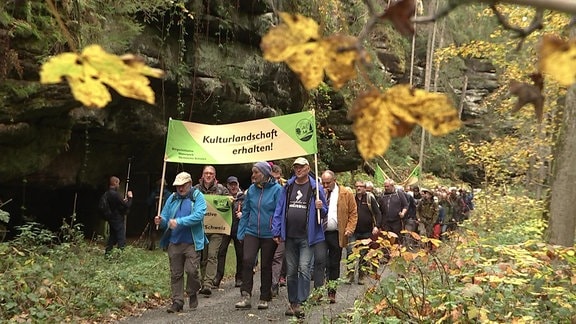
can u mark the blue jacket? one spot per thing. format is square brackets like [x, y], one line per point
[315, 231]
[195, 220]
[258, 210]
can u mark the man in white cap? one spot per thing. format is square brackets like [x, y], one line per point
[295, 222]
[184, 239]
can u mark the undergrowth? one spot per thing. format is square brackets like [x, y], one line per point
[64, 278]
[495, 268]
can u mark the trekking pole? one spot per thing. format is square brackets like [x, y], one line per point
[5, 203]
[126, 193]
[128, 177]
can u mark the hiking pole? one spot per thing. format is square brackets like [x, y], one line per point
[5, 203]
[128, 177]
[126, 193]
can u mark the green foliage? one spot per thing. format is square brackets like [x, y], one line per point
[496, 268]
[72, 280]
[4, 216]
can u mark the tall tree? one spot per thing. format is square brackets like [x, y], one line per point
[562, 224]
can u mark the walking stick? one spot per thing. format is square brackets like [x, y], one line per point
[126, 193]
[128, 177]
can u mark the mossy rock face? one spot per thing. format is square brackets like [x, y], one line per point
[215, 74]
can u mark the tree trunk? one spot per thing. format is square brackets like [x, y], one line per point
[432, 7]
[562, 224]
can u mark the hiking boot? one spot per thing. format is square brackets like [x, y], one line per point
[294, 310]
[332, 297]
[193, 301]
[315, 299]
[263, 304]
[206, 291]
[175, 307]
[275, 290]
[245, 302]
[289, 311]
[216, 282]
[238, 283]
[349, 279]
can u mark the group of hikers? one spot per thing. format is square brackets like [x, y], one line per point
[298, 229]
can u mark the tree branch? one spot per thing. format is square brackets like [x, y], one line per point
[537, 23]
[520, 32]
[568, 6]
[371, 21]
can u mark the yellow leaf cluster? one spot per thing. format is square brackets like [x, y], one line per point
[88, 74]
[378, 117]
[298, 43]
[558, 59]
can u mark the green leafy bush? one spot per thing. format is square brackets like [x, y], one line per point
[495, 268]
[44, 278]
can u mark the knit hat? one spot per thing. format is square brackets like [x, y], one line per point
[264, 168]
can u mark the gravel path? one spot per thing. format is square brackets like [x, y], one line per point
[219, 308]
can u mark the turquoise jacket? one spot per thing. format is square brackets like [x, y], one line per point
[195, 220]
[315, 229]
[258, 209]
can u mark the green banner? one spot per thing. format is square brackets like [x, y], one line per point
[257, 140]
[218, 217]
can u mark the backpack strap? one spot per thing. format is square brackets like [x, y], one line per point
[369, 199]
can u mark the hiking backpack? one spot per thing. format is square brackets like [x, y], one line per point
[104, 210]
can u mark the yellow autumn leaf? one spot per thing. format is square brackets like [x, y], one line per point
[308, 63]
[283, 40]
[91, 93]
[371, 124]
[297, 42]
[342, 53]
[378, 117]
[89, 72]
[558, 59]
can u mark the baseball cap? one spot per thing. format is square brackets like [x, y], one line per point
[301, 161]
[232, 179]
[182, 178]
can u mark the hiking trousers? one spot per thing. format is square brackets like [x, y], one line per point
[183, 259]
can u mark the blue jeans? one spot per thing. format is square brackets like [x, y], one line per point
[298, 262]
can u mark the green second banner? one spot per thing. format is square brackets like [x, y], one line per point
[218, 217]
[257, 140]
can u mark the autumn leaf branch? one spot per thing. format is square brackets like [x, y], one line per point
[567, 6]
[536, 24]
